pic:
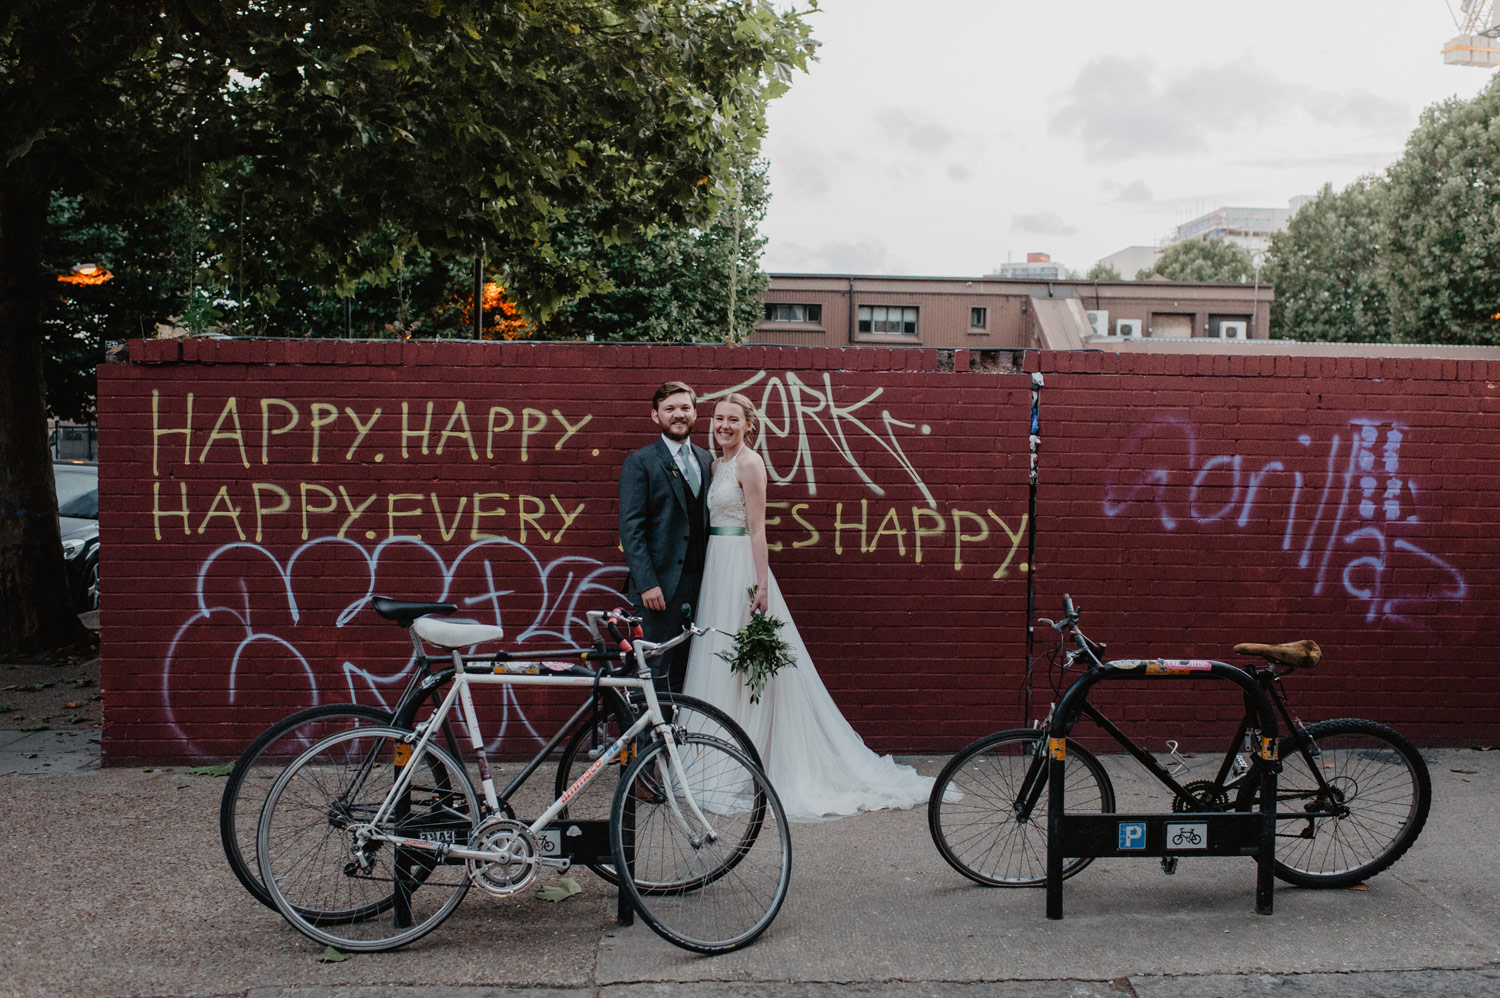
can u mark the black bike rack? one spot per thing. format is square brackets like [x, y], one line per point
[586, 842]
[1185, 833]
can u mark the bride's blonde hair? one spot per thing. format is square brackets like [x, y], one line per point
[752, 418]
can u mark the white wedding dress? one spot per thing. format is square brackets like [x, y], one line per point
[818, 764]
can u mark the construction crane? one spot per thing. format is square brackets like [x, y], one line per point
[1478, 41]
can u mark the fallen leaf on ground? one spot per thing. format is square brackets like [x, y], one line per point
[565, 888]
[331, 955]
[223, 769]
[35, 727]
[72, 705]
[1357, 887]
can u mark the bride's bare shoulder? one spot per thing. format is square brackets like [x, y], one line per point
[749, 462]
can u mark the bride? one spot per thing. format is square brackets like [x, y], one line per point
[817, 762]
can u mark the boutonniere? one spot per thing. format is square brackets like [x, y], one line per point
[671, 468]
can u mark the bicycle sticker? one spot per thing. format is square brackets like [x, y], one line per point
[1187, 836]
[403, 754]
[551, 841]
[1178, 666]
[1057, 748]
[1132, 835]
[1269, 750]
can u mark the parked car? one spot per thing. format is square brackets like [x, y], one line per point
[78, 518]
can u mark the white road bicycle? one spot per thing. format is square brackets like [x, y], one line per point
[371, 837]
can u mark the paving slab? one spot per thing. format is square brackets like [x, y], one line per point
[1399, 984]
[122, 890]
[48, 751]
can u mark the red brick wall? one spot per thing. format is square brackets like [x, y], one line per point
[218, 622]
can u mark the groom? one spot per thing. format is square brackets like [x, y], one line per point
[664, 522]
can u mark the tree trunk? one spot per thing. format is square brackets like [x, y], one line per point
[36, 604]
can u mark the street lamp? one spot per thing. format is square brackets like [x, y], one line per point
[86, 273]
[1256, 259]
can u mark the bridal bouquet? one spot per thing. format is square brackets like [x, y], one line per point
[759, 652]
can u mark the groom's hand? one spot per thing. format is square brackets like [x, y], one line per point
[653, 599]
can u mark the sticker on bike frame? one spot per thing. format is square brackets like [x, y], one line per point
[1132, 835]
[1269, 750]
[551, 841]
[402, 755]
[1194, 836]
[1057, 748]
[1178, 666]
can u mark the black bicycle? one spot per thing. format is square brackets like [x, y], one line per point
[1351, 797]
[594, 726]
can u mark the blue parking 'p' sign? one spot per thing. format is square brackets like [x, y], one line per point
[1132, 835]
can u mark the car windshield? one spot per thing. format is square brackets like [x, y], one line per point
[73, 481]
[85, 506]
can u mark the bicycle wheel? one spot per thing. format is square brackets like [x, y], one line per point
[257, 768]
[1366, 792]
[710, 888]
[972, 811]
[689, 716]
[370, 895]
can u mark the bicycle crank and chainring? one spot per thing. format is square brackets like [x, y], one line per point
[516, 850]
[1201, 795]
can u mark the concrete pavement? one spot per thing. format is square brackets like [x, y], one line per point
[116, 885]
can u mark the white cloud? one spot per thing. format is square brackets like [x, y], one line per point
[916, 129]
[1042, 223]
[859, 256]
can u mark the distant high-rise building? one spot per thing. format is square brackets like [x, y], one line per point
[1131, 260]
[1247, 227]
[1038, 267]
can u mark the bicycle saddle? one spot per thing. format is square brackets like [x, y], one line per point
[1302, 654]
[405, 611]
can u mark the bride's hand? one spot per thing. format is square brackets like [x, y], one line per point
[759, 603]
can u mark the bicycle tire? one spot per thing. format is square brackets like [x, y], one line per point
[725, 889]
[1378, 788]
[308, 851]
[689, 715]
[971, 812]
[250, 781]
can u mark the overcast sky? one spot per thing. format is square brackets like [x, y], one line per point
[947, 136]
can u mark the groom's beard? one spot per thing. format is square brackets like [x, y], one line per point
[678, 431]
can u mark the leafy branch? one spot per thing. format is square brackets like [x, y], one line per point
[760, 652]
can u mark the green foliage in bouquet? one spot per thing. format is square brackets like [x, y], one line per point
[759, 652]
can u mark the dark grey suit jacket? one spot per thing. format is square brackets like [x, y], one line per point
[654, 527]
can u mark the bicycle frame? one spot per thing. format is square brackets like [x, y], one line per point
[1266, 678]
[459, 693]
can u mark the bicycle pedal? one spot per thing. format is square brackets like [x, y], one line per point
[1169, 865]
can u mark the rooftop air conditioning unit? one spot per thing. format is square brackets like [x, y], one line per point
[1099, 320]
[1232, 330]
[1128, 327]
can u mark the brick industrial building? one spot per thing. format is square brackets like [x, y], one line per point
[993, 313]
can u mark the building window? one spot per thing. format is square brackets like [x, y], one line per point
[888, 319]
[778, 312]
[978, 317]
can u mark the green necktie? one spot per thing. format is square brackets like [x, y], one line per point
[690, 469]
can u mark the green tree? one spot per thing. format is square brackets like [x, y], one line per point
[1440, 225]
[1325, 266]
[1102, 272]
[1213, 260]
[458, 124]
[678, 283]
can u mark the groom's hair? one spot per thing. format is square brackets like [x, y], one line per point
[670, 388]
